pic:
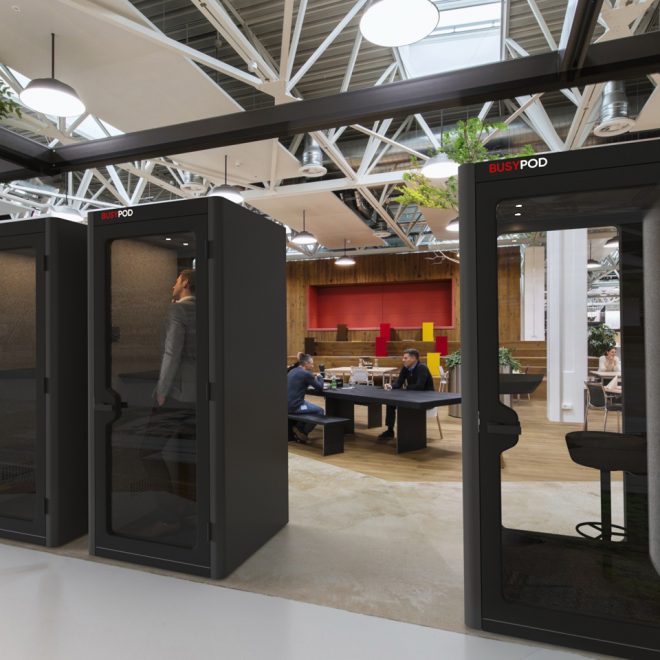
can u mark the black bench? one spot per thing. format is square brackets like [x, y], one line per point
[333, 430]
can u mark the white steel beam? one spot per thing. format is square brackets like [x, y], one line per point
[300, 19]
[218, 17]
[389, 143]
[273, 163]
[542, 24]
[384, 215]
[427, 131]
[287, 22]
[119, 186]
[514, 115]
[326, 42]
[142, 182]
[372, 145]
[83, 186]
[334, 154]
[380, 136]
[351, 62]
[161, 40]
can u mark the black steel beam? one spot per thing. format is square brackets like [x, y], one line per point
[579, 23]
[622, 59]
[26, 153]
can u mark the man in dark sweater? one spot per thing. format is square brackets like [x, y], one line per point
[413, 376]
[299, 380]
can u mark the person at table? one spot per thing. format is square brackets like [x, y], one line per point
[299, 380]
[609, 361]
[296, 363]
[413, 376]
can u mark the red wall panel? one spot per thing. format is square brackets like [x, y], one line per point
[362, 307]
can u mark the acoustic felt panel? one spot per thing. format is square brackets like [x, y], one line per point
[433, 363]
[427, 331]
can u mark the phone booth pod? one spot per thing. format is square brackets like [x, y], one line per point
[43, 381]
[579, 572]
[188, 426]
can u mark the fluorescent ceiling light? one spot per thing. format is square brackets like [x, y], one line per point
[393, 23]
[439, 167]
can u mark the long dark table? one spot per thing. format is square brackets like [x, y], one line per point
[411, 410]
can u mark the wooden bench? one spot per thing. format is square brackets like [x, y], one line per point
[333, 430]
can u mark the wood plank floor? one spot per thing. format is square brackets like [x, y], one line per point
[540, 454]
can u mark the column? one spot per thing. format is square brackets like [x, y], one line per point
[566, 324]
[532, 317]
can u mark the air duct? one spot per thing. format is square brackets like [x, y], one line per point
[193, 183]
[614, 119]
[312, 159]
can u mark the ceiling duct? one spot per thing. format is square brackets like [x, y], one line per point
[614, 119]
[312, 159]
[193, 183]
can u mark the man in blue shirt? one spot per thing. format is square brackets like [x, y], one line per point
[299, 380]
[413, 376]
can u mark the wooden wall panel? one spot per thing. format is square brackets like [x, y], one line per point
[394, 268]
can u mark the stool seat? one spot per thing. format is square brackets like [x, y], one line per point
[611, 452]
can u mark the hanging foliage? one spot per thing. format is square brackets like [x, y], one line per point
[7, 104]
[462, 145]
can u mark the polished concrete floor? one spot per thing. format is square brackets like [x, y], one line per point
[61, 608]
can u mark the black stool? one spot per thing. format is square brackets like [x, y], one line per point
[607, 452]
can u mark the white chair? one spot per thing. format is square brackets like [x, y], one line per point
[361, 376]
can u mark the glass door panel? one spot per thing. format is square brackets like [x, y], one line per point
[19, 423]
[153, 450]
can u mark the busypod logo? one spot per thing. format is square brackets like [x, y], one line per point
[517, 165]
[115, 215]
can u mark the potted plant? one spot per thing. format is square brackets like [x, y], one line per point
[453, 365]
[601, 338]
[7, 104]
[439, 204]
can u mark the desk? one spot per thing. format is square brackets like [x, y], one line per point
[411, 410]
[606, 374]
[372, 371]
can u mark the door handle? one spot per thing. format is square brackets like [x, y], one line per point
[503, 429]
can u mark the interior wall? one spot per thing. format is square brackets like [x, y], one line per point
[375, 269]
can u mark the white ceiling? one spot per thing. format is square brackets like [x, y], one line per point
[129, 81]
[327, 217]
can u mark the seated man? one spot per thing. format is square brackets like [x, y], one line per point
[413, 376]
[299, 379]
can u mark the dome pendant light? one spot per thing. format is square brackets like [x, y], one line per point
[439, 167]
[612, 243]
[51, 96]
[231, 193]
[345, 260]
[393, 23]
[304, 237]
[452, 225]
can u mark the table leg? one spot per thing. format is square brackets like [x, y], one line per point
[374, 415]
[410, 429]
[339, 408]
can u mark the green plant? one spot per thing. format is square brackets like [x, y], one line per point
[7, 104]
[463, 145]
[453, 359]
[600, 339]
[506, 359]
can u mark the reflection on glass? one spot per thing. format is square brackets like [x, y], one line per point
[154, 375]
[18, 394]
[574, 505]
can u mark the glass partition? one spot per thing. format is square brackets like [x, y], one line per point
[153, 358]
[18, 384]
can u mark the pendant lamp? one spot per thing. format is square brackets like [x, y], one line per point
[393, 23]
[453, 224]
[345, 260]
[231, 193]
[612, 243]
[439, 167]
[66, 211]
[304, 237]
[51, 96]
